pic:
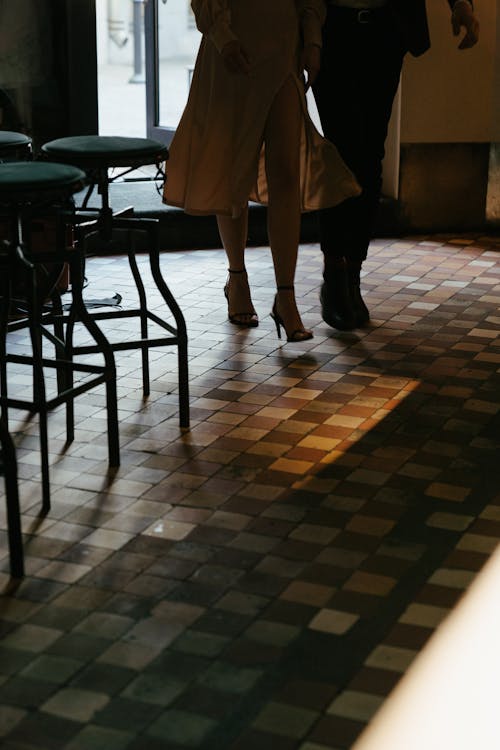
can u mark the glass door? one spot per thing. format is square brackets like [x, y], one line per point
[172, 42]
[121, 68]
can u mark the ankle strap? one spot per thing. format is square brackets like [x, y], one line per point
[242, 270]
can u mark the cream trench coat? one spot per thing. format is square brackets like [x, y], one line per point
[216, 161]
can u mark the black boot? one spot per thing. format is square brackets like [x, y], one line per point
[361, 312]
[336, 306]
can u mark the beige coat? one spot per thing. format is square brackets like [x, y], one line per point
[216, 157]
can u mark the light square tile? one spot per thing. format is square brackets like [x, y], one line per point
[391, 658]
[333, 621]
[352, 704]
[75, 705]
[164, 528]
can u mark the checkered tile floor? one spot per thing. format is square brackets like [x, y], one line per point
[265, 579]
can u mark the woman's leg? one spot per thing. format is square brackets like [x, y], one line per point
[282, 149]
[233, 233]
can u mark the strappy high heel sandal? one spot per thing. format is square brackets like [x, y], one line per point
[243, 319]
[299, 334]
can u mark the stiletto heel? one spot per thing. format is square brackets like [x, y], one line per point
[242, 319]
[299, 334]
[277, 320]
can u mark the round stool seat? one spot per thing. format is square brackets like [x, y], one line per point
[24, 182]
[10, 141]
[102, 151]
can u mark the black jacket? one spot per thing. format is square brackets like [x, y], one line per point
[410, 17]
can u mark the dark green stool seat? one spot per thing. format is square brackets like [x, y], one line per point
[97, 155]
[29, 191]
[14, 145]
[103, 151]
[24, 182]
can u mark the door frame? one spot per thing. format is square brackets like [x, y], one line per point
[390, 166]
[81, 49]
[153, 128]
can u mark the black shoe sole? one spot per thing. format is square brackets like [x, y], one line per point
[361, 312]
[362, 322]
[335, 319]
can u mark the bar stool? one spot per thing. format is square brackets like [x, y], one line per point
[14, 146]
[97, 155]
[28, 190]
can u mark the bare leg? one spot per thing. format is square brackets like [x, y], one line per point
[282, 142]
[233, 233]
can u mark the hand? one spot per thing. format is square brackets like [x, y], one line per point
[463, 17]
[235, 58]
[311, 63]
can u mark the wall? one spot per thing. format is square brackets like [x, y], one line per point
[493, 197]
[447, 92]
[450, 116]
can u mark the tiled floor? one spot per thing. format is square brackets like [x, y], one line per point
[264, 579]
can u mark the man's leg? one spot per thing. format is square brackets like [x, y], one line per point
[354, 92]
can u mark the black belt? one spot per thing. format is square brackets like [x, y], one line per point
[359, 15]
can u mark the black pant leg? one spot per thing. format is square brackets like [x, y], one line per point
[354, 93]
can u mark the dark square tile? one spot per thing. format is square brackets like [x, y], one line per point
[127, 715]
[25, 693]
[51, 732]
[103, 678]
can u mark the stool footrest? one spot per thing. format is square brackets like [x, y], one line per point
[61, 398]
[121, 346]
[23, 359]
[134, 313]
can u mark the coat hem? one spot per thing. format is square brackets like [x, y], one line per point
[202, 211]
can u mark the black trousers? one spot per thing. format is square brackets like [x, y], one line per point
[361, 67]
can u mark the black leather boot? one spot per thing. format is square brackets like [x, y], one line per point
[361, 312]
[336, 305]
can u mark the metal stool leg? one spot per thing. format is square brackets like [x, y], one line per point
[80, 313]
[58, 323]
[13, 509]
[4, 319]
[7, 446]
[55, 298]
[182, 341]
[68, 353]
[44, 455]
[143, 314]
[39, 391]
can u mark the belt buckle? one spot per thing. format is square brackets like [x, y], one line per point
[364, 16]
